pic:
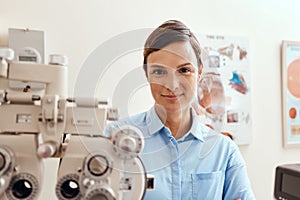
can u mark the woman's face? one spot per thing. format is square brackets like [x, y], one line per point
[173, 76]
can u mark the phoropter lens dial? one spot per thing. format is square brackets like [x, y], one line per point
[128, 142]
[23, 186]
[68, 188]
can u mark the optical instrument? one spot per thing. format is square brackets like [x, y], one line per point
[36, 124]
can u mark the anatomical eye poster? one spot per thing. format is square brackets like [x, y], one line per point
[229, 57]
[290, 69]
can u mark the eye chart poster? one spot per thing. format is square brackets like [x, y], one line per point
[229, 56]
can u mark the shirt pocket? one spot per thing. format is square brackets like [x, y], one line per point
[208, 185]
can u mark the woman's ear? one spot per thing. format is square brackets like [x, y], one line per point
[200, 73]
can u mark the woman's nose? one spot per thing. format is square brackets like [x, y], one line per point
[172, 81]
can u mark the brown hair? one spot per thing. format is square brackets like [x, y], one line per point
[169, 32]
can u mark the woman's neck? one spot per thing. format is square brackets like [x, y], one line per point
[179, 122]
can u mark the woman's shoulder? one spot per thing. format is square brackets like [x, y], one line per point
[137, 120]
[220, 141]
[134, 120]
[221, 145]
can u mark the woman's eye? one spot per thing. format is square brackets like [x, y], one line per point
[159, 72]
[184, 70]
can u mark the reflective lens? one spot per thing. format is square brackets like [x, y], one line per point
[22, 189]
[69, 189]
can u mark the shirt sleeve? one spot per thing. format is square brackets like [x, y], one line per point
[237, 184]
[109, 128]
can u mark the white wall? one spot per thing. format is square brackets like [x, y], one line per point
[75, 28]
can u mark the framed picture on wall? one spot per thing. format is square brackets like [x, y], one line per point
[290, 70]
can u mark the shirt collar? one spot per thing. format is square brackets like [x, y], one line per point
[198, 130]
[153, 121]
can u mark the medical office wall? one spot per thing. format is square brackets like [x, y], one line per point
[77, 28]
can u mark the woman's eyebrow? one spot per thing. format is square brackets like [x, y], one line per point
[162, 66]
[184, 64]
[157, 66]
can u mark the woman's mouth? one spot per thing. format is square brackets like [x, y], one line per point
[171, 96]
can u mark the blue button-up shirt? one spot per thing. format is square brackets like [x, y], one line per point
[201, 165]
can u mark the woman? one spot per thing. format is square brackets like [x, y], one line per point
[188, 159]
